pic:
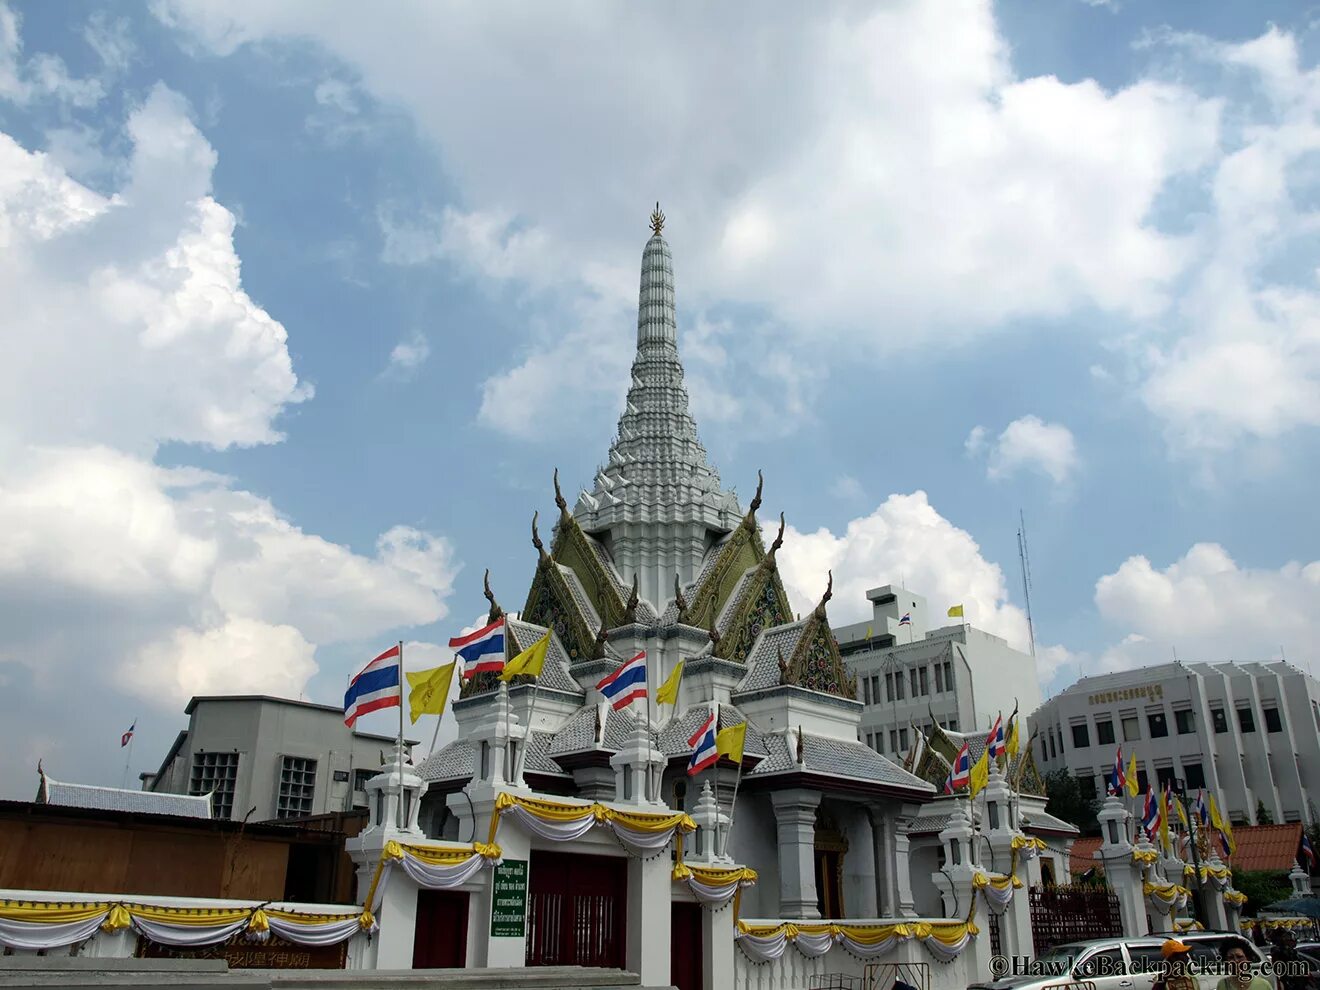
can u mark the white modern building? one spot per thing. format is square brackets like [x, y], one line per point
[1246, 732]
[909, 675]
[274, 757]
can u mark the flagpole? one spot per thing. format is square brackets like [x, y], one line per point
[733, 806]
[527, 739]
[401, 823]
[128, 757]
[650, 721]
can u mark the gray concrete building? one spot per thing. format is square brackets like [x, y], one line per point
[909, 673]
[1249, 733]
[279, 758]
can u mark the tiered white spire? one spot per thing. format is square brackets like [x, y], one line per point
[657, 496]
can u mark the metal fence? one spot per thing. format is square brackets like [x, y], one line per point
[1072, 914]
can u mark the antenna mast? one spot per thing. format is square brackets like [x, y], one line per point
[1025, 560]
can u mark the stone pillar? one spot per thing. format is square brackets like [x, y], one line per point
[1161, 917]
[955, 883]
[884, 865]
[1001, 832]
[1125, 877]
[515, 844]
[717, 949]
[1212, 896]
[795, 818]
[650, 918]
[861, 869]
[904, 902]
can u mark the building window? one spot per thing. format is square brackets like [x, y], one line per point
[925, 685]
[1143, 781]
[297, 785]
[1081, 739]
[1131, 730]
[902, 740]
[889, 687]
[1163, 775]
[1104, 733]
[948, 680]
[939, 678]
[1086, 783]
[1194, 775]
[360, 778]
[1044, 749]
[953, 725]
[1219, 719]
[1053, 751]
[1246, 722]
[1159, 728]
[866, 690]
[1272, 721]
[912, 679]
[215, 774]
[898, 685]
[893, 740]
[1186, 721]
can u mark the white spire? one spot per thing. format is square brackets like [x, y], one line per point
[657, 495]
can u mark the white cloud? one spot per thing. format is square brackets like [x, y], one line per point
[906, 539]
[40, 77]
[1027, 443]
[409, 355]
[127, 326]
[847, 487]
[1211, 609]
[841, 194]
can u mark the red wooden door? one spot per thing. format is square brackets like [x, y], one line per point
[440, 938]
[577, 910]
[685, 948]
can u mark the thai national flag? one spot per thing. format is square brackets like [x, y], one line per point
[1118, 779]
[482, 650]
[124, 739]
[376, 686]
[1307, 852]
[1150, 815]
[626, 684]
[962, 768]
[906, 620]
[1202, 812]
[995, 741]
[704, 753]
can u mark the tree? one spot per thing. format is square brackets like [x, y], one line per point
[1262, 887]
[1263, 817]
[1065, 799]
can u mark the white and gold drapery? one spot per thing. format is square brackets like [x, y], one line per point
[712, 886]
[1165, 897]
[430, 867]
[944, 940]
[641, 833]
[997, 890]
[31, 925]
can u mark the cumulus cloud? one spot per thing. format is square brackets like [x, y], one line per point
[1027, 443]
[408, 355]
[1209, 608]
[41, 77]
[127, 326]
[838, 194]
[906, 539]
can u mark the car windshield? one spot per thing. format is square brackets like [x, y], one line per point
[1059, 960]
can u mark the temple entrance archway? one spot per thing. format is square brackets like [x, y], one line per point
[830, 847]
[577, 910]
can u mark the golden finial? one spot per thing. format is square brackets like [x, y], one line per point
[657, 220]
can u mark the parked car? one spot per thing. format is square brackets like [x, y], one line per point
[1119, 963]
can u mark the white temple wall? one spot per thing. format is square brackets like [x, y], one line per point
[754, 842]
[859, 872]
[923, 860]
[777, 710]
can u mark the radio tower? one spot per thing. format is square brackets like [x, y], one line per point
[1025, 559]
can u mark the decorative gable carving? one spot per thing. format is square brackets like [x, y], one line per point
[817, 665]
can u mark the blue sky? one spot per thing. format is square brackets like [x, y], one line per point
[309, 304]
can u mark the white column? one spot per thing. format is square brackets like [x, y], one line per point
[717, 949]
[398, 923]
[1124, 876]
[905, 903]
[650, 919]
[795, 818]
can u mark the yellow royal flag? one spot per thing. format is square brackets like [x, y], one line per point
[1164, 820]
[729, 742]
[1011, 746]
[430, 690]
[981, 773]
[868, 632]
[529, 661]
[1132, 787]
[955, 611]
[667, 693]
[1182, 812]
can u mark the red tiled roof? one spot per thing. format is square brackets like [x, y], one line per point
[1259, 847]
[1266, 847]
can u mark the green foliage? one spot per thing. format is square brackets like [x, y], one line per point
[1064, 799]
[1263, 817]
[1261, 887]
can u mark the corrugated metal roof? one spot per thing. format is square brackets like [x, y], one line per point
[120, 799]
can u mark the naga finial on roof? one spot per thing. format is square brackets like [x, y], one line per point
[657, 220]
[801, 749]
[630, 609]
[679, 600]
[536, 538]
[496, 612]
[559, 496]
[768, 561]
[829, 593]
[756, 499]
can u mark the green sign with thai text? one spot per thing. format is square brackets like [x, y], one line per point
[508, 907]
